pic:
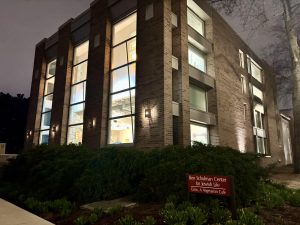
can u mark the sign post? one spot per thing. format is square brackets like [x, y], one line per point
[213, 185]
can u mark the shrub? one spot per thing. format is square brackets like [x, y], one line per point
[82, 220]
[115, 210]
[149, 220]
[36, 206]
[128, 220]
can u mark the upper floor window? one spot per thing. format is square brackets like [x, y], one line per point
[196, 58]
[195, 22]
[243, 84]
[258, 93]
[254, 69]
[241, 58]
[198, 99]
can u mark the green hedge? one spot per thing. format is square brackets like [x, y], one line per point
[82, 175]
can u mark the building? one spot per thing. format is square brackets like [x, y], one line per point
[152, 73]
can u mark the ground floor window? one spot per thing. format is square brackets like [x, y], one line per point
[199, 133]
[260, 145]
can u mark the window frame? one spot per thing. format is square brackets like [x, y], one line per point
[200, 125]
[202, 22]
[201, 53]
[130, 89]
[205, 93]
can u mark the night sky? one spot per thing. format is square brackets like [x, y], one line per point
[23, 23]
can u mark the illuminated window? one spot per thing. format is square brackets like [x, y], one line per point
[195, 22]
[123, 81]
[197, 58]
[254, 69]
[199, 133]
[243, 84]
[258, 93]
[47, 103]
[198, 98]
[242, 59]
[78, 94]
[261, 145]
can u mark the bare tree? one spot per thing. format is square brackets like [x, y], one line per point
[288, 61]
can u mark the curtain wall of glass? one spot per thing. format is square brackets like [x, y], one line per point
[122, 80]
[78, 93]
[47, 103]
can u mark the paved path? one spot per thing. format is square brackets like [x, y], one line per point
[285, 175]
[13, 215]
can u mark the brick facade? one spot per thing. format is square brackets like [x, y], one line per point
[160, 87]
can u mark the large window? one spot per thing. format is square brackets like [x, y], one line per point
[195, 22]
[47, 103]
[258, 93]
[198, 99]
[199, 133]
[261, 145]
[196, 58]
[122, 76]
[78, 91]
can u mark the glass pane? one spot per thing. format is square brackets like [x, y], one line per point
[49, 86]
[199, 133]
[132, 101]
[198, 98]
[44, 137]
[260, 145]
[46, 119]
[75, 134]
[258, 93]
[120, 79]
[79, 73]
[195, 22]
[124, 30]
[51, 69]
[120, 130]
[47, 104]
[120, 104]
[132, 73]
[119, 56]
[258, 121]
[81, 53]
[196, 59]
[78, 93]
[131, 48]
[76, 114]
[256, 72]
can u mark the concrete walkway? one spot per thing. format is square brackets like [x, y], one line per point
[284, 175]
[13, 215]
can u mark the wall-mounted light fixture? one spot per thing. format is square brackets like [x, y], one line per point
[92, 123]
[29, 133]
[54, 128]
[147, 113]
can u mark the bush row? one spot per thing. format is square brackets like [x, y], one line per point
[82, 175]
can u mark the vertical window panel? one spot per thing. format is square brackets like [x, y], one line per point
[81, 53]
[124, 30]
[132, 73]
[131, 50]
[75, 134]
[44, 137]
[196, 59]
[119, 56]
[195, 22]
[46, 118]
[120, 104]
[76, 114]
[119, 79]
[49, 86]
[47, 103]
[121, 130]
[79, 73]
[78, 92]
[198, 98]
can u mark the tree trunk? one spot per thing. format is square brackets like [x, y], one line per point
[295, 55]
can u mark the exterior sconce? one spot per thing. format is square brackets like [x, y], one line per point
[148, 113]
[54, 128]
[92, 123]
[29, 133]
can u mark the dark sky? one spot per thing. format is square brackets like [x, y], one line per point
[23, 23]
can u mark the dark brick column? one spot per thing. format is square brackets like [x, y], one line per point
[96, 105]
[154, 76]
[181, 77]
[36, 96]
[61, 96]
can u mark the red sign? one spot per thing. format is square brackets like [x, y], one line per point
[209, 184]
